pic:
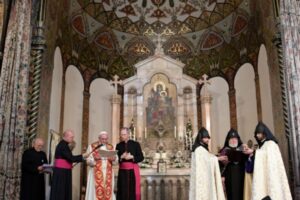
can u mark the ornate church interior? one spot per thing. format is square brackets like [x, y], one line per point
[162, 68]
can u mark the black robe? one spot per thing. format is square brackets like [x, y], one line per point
[234, 171]
[61, 187]
[32, 181]
[126, 178]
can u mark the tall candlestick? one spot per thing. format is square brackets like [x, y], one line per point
[175, 132]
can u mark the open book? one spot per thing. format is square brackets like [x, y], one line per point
[47, 168]
[107, 153]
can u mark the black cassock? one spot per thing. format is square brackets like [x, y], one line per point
[32, 182]
[234, 171]
[61, 187]
[126, 178]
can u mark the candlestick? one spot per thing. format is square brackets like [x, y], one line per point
[175, 134]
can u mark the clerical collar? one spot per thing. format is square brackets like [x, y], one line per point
[125, 142]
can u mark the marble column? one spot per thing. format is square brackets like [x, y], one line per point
[180, 116]
[190, 109]
[115, 122]
[199, 111]
[140, 123]
[195, 111]
[206, 100]
[290, 35]
[62, 102]
[126, 110]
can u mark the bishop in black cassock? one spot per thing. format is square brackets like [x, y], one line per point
[234, 169]
[129, 153]
[61, 187]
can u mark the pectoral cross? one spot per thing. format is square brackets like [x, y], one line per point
[205, 82]
[115, 83]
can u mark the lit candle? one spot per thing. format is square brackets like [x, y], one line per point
[175, 132]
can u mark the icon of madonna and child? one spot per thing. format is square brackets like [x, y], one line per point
[160, 112]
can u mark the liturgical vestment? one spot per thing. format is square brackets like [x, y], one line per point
[205, 179]
[269, 176]
[100, 184]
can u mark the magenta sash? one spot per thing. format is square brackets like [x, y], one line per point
[136, 169]
[62, 163]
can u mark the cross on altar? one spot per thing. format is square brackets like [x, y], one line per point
[115, 83]
[205, 82]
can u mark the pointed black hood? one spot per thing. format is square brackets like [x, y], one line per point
[262, 128]
[232, 133]
[202, 133]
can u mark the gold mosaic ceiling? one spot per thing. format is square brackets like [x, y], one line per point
[122, 32]
[168, 17]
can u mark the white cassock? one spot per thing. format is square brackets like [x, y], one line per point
[269, 176]
[205, 178]
[100, 176]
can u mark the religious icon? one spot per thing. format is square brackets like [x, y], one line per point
[160, 111]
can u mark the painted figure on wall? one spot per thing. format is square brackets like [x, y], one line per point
[160, 111]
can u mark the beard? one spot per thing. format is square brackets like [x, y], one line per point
[233, 145]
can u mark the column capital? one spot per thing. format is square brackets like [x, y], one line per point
[116, 99]
[206, 99]
[86, 94]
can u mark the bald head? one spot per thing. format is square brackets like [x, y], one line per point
[68, 136]
[38, 144]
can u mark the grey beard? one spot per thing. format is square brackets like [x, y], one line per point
[233, 145]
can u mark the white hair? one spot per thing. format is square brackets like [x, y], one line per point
[102, 133]
[35, 140]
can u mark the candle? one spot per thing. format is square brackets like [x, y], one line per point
[145, 133]
[175, 132]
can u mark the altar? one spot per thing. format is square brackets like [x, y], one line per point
[170, 185]
[160, 108]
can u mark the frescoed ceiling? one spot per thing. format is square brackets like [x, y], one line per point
[110, 36]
